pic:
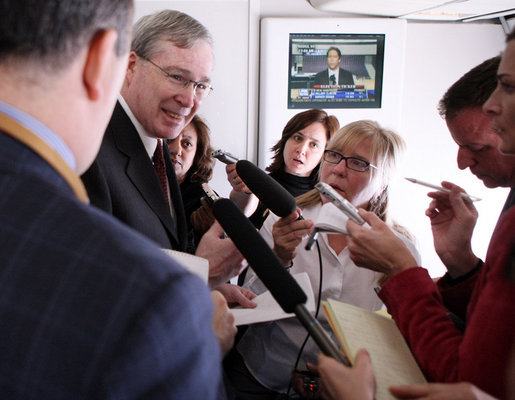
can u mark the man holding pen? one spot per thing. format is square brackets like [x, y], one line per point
[485, 295]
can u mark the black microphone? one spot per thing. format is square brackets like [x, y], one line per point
[266, 188]
[285, 290]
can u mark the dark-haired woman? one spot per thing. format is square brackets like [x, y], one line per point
[190, 153]
[295, 163]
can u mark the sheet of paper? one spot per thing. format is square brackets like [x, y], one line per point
[268, 309]
[194, 264]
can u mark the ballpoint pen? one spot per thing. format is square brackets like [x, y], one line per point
[442, 189]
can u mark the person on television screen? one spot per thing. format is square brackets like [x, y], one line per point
[334, 74]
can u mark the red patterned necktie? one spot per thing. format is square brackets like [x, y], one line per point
[159, 164]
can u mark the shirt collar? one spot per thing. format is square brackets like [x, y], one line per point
[42, 131]
[149, 142]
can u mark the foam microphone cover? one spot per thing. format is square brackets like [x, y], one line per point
[259, 255]
[266, 188]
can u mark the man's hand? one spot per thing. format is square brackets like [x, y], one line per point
[237, 296]
[339, 382]
[440, 391]
[452, 222]
[225, 261]
[223, 323]
[377, 248]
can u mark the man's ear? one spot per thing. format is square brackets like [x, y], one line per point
[99, 61]
[131, 66]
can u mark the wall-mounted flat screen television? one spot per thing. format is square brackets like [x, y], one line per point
[293, 51]
[340, 70]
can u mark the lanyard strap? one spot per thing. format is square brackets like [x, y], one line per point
[40, 147]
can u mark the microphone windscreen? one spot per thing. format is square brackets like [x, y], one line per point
[266, 188]
[259, 255]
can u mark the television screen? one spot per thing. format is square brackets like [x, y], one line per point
[342, 70]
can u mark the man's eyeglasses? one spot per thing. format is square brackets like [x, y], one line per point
[200, 89]
[356, 164]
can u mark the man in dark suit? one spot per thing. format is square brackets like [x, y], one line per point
[167, 78]
[110, 188]
[90, 309]
[334, 75]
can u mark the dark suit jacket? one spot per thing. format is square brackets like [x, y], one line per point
[89, 308]
[344, 77]
[123, 182]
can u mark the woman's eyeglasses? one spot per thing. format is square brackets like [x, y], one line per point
[356, 164]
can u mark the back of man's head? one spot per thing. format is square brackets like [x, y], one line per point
[50, 34]
[180, 29]
[472, 90]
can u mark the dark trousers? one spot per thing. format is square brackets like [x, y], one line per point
[243, 384]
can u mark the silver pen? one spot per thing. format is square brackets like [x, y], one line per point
[442, 189]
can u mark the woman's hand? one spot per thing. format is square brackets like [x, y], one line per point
[288, 232]
[234, 179]
[240, 193]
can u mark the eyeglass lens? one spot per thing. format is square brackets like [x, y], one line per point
[200, 89]
[353, 163]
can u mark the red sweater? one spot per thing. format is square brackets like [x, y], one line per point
[481, 354]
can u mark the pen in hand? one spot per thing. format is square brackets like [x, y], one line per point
[442, 189]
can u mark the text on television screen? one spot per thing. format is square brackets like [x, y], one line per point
[341, 70]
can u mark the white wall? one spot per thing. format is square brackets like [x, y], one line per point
[436, 56]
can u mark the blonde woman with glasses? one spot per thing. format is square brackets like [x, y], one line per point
[358, 163]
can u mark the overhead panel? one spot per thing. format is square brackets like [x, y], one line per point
[419, 9]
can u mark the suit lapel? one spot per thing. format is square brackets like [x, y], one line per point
[141, 172]
[176, 197]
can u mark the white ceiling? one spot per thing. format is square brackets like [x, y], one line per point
[420, 9]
